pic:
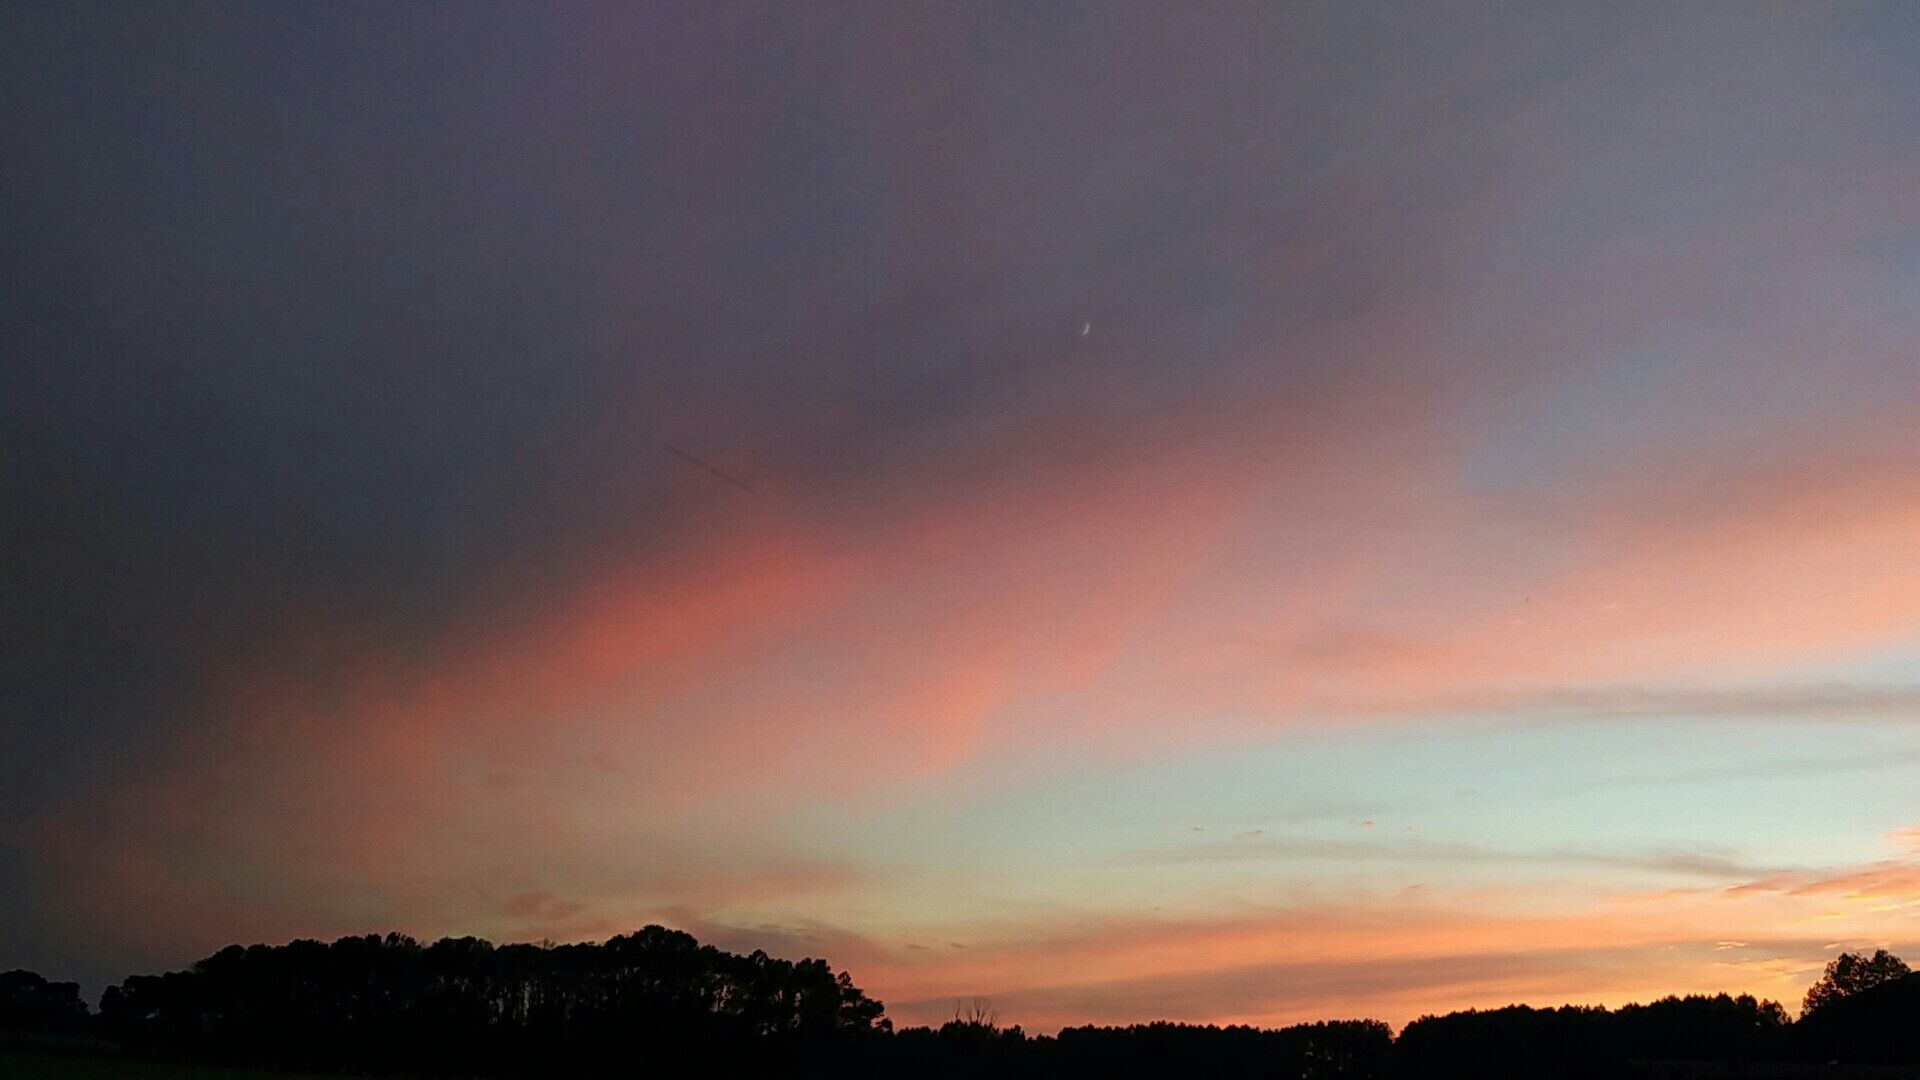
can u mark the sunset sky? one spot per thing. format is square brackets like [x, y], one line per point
[1211, 512]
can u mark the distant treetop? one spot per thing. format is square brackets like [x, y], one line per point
[1850, 973]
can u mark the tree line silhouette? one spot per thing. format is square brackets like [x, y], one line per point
[658, 1002]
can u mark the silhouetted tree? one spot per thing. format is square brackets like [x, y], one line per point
[1586, 1041]
[30, 1004]
[463, 1005]
[1347, 1048]
[1878, 1025]
[657, 1002]
[1720, 1028]
[1850, 973]
[1517, 1041]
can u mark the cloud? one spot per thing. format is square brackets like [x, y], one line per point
[1810, 701]
[1260, 846]
[1898, 882]
[1785, 768]
[1883, 886]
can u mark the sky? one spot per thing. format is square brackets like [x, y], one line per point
[1216, 512]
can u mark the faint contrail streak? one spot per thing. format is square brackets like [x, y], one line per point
[697, 463]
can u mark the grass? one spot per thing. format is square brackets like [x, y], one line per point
[16, 1065]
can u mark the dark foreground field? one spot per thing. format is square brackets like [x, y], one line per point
[15, 1065]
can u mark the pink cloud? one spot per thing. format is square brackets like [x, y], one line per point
[1898, 882]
